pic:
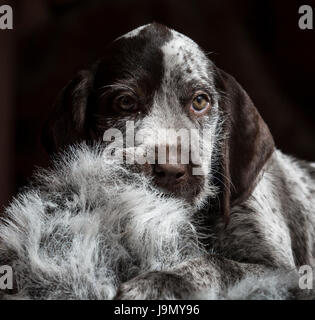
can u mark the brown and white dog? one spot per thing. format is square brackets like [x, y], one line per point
[255, 204]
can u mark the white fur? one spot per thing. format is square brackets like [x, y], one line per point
[90, 216]
[182, 53]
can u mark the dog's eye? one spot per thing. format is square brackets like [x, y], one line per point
[200, 102]
[126, 103]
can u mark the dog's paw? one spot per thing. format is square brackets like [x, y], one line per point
[157, 285]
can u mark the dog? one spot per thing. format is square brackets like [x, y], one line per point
[252, 203]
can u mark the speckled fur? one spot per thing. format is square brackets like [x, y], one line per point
[275, 226]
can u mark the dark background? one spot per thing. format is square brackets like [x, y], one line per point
[259, 42]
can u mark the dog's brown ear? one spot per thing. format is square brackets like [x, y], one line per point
[247, 145]
[67, 123]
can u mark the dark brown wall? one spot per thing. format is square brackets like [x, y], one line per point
[259, 42]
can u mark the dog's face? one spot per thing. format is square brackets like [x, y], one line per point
[161, 81]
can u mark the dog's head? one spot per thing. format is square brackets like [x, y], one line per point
[161, 81]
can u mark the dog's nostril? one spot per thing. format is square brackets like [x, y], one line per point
[160, 174]
[158, 170]
[179, 175]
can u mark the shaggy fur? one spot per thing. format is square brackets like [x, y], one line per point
[90, 224]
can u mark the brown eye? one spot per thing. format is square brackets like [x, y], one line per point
[126, 103]
[200, 102]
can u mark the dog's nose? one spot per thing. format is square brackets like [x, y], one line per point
[169, 174]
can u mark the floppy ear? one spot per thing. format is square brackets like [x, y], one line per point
[67, 124]
[247, 145]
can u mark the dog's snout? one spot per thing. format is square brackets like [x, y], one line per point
[172, 171]
[169, 174]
